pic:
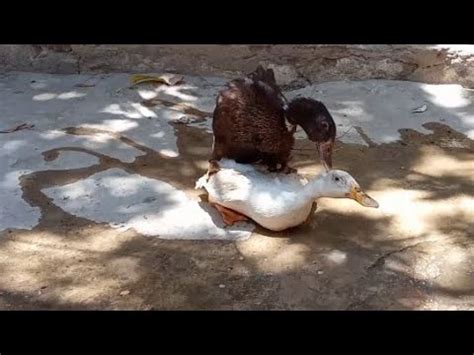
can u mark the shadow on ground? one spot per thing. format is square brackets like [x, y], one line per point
[415, 252]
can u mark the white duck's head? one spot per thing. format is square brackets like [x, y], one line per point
[340, 184]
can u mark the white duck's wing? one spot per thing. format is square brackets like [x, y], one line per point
[226, 185]
[236, 182]
[231, 170]
[230, 185]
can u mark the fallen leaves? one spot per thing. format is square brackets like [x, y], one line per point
[167, 79]
[420, 109]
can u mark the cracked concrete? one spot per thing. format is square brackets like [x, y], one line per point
[78, 188]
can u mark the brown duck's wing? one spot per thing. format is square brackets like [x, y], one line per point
[248, 120]
[259, 93]
[251, 100]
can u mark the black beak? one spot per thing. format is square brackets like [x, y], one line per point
[325, 153]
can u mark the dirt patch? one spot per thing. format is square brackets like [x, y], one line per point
[343, 258]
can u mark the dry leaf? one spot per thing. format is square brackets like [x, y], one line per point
[420, 109]
[149, 103]
[168, 79]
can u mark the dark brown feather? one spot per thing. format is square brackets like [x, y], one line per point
[249, 122]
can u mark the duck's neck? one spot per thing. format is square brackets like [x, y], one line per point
[314, 188]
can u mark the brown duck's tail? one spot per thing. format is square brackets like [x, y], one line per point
[265, 75]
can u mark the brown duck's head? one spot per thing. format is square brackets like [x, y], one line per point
[318, 124]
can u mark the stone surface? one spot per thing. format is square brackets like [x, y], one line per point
[437, 64]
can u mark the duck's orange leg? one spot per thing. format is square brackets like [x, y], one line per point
[229, 216]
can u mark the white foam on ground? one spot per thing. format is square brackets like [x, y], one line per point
[151, 207]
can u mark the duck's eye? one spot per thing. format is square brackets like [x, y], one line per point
[336, 178]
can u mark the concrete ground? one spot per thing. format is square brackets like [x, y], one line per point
[98, 208]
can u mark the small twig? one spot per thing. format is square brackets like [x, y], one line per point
[18, 128]
[345, 133]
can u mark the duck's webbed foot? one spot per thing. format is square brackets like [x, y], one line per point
[229, 216]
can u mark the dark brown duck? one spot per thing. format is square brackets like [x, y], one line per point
[253, 122]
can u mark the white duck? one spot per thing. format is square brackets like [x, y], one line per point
[274, 201]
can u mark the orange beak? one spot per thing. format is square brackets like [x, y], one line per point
[361, 197]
